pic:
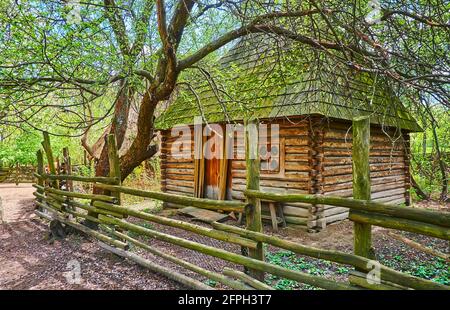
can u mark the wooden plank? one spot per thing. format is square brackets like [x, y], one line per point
[273, 216]
[297, 141]
[180, 189]
[336, 217]
[179, 183]
[329, 210]
[297, 157]
[394, 199]
[297, 166]
[389, 193]
[295, 211]
[179, 177]
[377, 191]
[277, 190]
[329, 186]
[180, 171]
[289, 176]
[177, 165]
[203, 215]
[304, 185]
[297, 220]
[297, 149]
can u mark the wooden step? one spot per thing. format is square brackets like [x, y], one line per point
[203, 215]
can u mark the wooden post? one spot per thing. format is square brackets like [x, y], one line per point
[361, 182]
[68, 168]
[407, 156]
[17, 174]
[40, 171]
[50, 159]
[253, 210]
[114, 163]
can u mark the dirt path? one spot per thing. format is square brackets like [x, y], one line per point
[28, 261]
[16, 202]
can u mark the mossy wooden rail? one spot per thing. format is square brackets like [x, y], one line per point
[235, 206]
[427, 222]
[58, 212]
[333, 256]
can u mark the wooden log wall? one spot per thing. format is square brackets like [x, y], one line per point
[389, 170]
[293, 175]
[315, 158]
[177, 171]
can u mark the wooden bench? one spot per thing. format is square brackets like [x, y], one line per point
[274, 208]
[276, 215]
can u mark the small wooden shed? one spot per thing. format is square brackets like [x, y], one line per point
[311, 105]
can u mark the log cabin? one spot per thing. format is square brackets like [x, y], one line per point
[305, 105]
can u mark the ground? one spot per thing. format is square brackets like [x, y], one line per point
[29, 261]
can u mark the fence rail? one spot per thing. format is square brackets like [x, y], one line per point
[17, 174]
[426, 222]
[112, 221]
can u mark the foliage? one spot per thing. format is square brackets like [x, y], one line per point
[425, 160]
[292, 261]
[71, 76]
[211, 283]
[19, 145]
[435, 269]
[143, 238]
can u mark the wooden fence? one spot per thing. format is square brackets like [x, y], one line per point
[17, 174]
[112, 221]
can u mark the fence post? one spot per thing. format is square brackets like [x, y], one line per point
[40, 171]
[253, 210]
[114, 163]
[17, 174]
[68, 168]
[50, 159]
[361, 183]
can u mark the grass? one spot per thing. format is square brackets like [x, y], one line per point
[436, 269]
[141, 237]
[211, 283]
[156, 208]
[291, 261]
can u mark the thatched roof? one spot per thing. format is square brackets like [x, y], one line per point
[264, 78]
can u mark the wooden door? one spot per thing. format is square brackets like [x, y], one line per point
[212, 169]
[213, 152]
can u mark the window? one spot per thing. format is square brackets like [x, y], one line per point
[270, 157]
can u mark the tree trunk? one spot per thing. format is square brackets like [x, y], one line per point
[444, 191]
[118, 128]
[141, 149]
